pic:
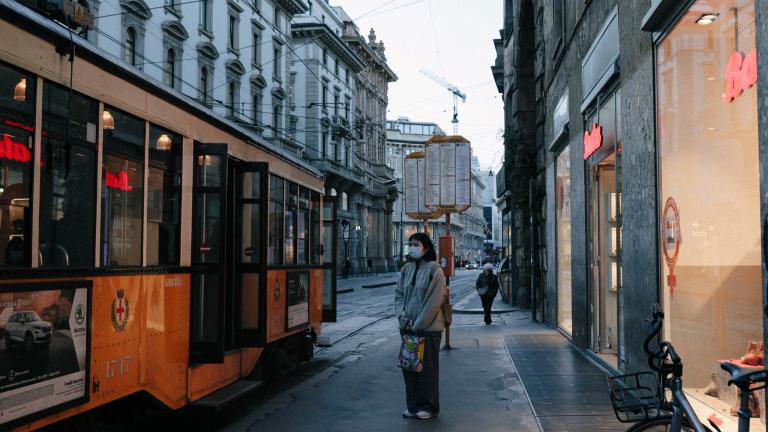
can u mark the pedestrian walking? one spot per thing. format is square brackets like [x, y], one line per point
[487, 285]
[419, 296]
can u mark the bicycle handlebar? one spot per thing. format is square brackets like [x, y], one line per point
[653, 330]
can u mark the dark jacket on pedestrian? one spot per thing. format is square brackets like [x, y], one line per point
[491, 281]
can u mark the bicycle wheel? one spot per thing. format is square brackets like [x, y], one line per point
[660, 424]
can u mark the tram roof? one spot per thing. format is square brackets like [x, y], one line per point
[87, 50]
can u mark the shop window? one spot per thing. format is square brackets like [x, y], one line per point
[163, 197]
[17, 121]
[563, 238]
[122, 191]
[709, 195]
[290, 223]
[276, 213]
[67, 178]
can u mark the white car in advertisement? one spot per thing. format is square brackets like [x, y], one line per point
[27, 328]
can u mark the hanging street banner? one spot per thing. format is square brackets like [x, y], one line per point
[448, 174]
[415, 192]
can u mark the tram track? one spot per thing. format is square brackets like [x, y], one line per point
[464, 290]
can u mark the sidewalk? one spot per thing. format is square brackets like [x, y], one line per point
[471, 304]
[365, 281]
[514, 375]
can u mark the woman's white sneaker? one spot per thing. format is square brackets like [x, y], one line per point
[424, 415]
[408, 414]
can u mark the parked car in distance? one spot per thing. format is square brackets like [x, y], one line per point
[26, 327]
[472, 266]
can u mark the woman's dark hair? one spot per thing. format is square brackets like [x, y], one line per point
[429, 248]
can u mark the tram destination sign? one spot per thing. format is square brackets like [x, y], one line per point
[448, 174]
[414, 167]
[46, 340]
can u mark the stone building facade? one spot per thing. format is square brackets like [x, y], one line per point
[619, 190]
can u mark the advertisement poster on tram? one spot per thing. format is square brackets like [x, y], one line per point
[45, 341]
[297, 284]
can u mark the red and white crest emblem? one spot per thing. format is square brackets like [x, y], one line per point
[120, 311]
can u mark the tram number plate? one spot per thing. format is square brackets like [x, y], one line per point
[118, 365]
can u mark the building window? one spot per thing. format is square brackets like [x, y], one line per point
[277, 114]
[325, 57]
[163, 197]
[130, 46]
[293, 122]
[558, 25]
[336, 69]
[122, 191]
[709, 191]
[232, 39]
[336, 104]
[204, 85]
[205, 15]
[324, 143]
[256, 109]
[276, 211]
[277, 63]
[18, 108]
[256, 61]
[563, 238]
[344, 202]
[277, 19]
[170, 68]
[67, 179]
[324, 99]
[231, 99]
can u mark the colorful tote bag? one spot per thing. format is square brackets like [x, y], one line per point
[411, 356]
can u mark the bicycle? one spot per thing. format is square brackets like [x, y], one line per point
[642, 398]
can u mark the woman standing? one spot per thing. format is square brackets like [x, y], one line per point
[419, 294]
[487, 285]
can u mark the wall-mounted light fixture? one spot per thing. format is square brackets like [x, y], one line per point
[107, 120]
[707, 18]
[20, 91]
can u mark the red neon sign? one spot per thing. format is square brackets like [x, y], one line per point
[118, 181]
[13, 151]
[740, 74]
[592, 140]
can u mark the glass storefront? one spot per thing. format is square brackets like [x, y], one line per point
[709, 190]
[563, 238]
[603, 159]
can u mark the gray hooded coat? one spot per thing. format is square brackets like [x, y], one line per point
[417, 302]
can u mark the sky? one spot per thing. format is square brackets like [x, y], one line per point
[453, 39]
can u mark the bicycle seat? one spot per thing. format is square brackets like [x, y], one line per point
[743, 376]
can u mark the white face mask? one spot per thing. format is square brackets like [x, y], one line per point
[414, 252]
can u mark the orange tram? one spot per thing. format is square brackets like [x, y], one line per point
[147, 245]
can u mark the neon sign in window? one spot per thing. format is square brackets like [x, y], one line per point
[740, 74]
[118, 181]
[13, 151]
[592, 140]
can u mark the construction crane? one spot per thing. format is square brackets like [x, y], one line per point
[456, 95]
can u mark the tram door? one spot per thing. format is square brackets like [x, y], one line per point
[246, 255]
[207, 326]
[328, 253]
[227, 304]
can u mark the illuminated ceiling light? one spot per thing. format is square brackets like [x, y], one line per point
[204, 160]
[108, 120]
[163, 142]
[20, 92]
[707, 18]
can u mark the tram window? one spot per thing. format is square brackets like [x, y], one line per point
[17, 110]
[209, 170]
[276, 201]
[290, 223]
[67, 178]
[251, 218]
[208, 221]
[302, 230]
[314, 231]
[163, 197]
[122, 203]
